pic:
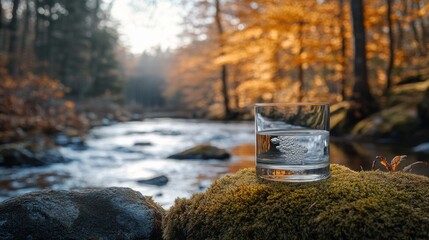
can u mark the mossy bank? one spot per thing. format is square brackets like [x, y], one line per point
[348, 205]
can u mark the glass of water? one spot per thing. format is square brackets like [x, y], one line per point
[292, 141]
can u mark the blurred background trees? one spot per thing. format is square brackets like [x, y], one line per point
[72, 41]
[328, 50]
[52, 53]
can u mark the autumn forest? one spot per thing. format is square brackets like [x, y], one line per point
[58, 59]
[282, 51]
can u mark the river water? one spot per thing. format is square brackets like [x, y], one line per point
[124, 153]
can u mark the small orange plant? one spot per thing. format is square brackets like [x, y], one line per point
[392, 166]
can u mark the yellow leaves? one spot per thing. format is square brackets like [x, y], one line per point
[338, 67]
[252, 91]
[381, 77]
[374, 14]
[248, 33]
[31, 100]
[424, 10]
[230, 58]
[318, 82]
[305, 66]
[399, 56]
[287, 43]
[69, 105]
[277, 38]
[319, 90]
[377, 48]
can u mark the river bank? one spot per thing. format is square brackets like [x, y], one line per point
[32, 138]
[124, 154]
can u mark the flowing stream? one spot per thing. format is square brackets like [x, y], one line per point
[124, 153]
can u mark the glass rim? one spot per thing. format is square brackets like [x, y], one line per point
[291, 104]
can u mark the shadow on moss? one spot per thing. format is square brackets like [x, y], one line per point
[348, 205]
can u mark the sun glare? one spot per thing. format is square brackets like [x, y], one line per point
[144, 27]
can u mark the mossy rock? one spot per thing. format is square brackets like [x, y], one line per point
[348, 205]
[202, 151]
[409, 93]
[399, 121]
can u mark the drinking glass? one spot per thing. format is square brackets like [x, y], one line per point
[292, 141]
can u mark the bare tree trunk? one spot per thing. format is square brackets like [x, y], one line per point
[343, 49]
[235, 84]
[413, 25]
[49, 41]
[1, 15]
[391, 47]
[300, 65]
[424, 28]
[2, 32]
[38, 39]
[13, 45]
[362, 103]
[416, 36]
[224, 73]
[399, 23]
[94, 52]
[24, 42]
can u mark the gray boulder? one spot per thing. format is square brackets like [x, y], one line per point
[92, 213]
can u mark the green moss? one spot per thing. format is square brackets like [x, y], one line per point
[348, 205]
[203, 151]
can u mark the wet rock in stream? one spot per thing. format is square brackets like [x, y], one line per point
[76, 143]
[21, 155]
[142, 144]
[166, 132]
[422, 148]
[125, 150]
[129, 133]
[157, 181]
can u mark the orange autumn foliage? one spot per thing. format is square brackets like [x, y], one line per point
[281, 50]
[33, 105]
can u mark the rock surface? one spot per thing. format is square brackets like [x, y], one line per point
[404, 115]
[398, 121]
[348, 205]
[96, 213]
[203, 151]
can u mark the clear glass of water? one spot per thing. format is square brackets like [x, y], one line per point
[292, 141]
